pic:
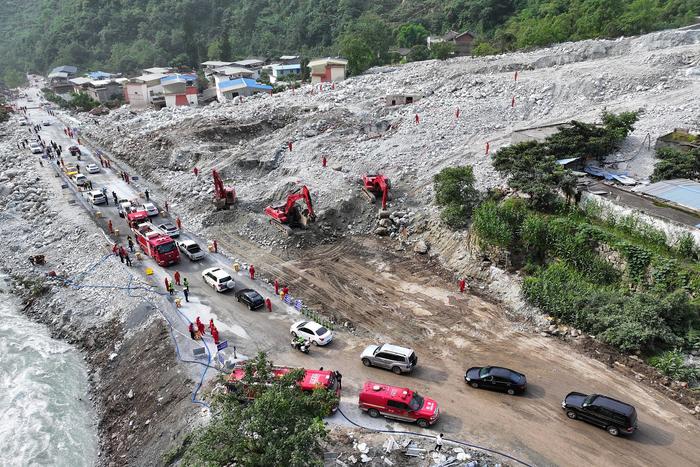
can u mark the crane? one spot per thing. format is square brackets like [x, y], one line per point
[373, 185]
[286, 215]
[224, 196]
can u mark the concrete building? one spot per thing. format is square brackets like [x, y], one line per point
[179, 89]
[279, 71]
[145, 90]
[157, 71]
[402, 99]
[59, 79]
[103, 90]
[324, 70]
[79, 84]
[227, 90]
[462, 41]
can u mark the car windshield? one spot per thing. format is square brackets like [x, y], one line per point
[589, 400]
[416, 402]
[167, 227]
[255, 298]
[321, 331]
[193, 248]
[166, 247]
[484, 372]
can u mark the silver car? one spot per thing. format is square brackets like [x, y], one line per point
[390, 357]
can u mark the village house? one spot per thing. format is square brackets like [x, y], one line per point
[277, 72]
[402, 98]
[157, 71]
[252, 64]
[328, 69]
[179, 89]
[79, 83]
[145, 90]
[462, 41]
[103, 90]
[59, 79]
[243, 87]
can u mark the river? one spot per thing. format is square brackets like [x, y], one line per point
[47, 419]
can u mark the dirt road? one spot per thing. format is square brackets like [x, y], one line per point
[404, 300]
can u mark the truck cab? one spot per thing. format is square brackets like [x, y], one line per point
[136, 218]
[398, 403]
[155, 244]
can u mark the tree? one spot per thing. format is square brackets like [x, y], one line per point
[282, 425]
[677, 164]
[410, 34]
[358, 53]
[483, 49]
[455, 192]
[369, 33]
[442, 50]
[83, 102]
[225, 48]
[418, 53]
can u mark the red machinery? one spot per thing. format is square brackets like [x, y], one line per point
[224, 196]
[156, 244]
[373, 185]
[287, 215]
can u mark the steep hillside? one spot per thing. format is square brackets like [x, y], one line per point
[128, 34]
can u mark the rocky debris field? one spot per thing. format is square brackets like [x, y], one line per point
[345, 447]
[351, 125]
[74, 294]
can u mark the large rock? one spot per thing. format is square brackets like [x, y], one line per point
[382, 231]
[421, 247]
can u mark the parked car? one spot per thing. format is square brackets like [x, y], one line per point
[398, 403]
[390, 357]
[317, 334]
[495, 377]
[96, 197]
[613, 415]
[191, 249]
[219, 279]
[251, 298]
[35, 147]
[151, 209]
[46, 123]
[92, 168]
[124, 208]
[80, 179]
[169, 229]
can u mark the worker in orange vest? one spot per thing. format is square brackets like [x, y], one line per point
[268, 304]
[417, 119]
[177, 277]
[195, 171]
[251, 270]
[215, 335]
[462, 285]
[277, 287]
[200, 326]
[324, 161]
[179, 223]
[216, 247]
[110, 226]
[289, 145]
[167, 284]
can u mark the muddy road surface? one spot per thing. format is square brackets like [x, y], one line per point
[407, 300]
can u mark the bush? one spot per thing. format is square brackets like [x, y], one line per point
[442, 50]
[484, 48]
[491, 226]
[418, 53]
[672, 364]
[676, 164]
[455, 192]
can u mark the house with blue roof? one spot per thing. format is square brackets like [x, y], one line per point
[98, 75]
[277, 72]
[243, 87]
[179, 89]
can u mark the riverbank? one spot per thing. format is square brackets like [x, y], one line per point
[139, 390]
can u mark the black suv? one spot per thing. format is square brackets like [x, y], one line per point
[615, 416]
[251, 298]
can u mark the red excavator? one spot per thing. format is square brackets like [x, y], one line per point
[224, 196]
[286, 215]
[375, 184]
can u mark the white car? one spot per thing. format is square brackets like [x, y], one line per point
[317, 334]
[96, 197]
[190, 249]
[36, 149]
[92, 168]
[124, 208]
[169, 229]
[219, 279]
[150, 208]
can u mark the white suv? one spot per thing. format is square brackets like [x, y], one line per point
[219, 279]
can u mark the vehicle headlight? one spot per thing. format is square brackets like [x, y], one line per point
[563, 404]
[467, 378]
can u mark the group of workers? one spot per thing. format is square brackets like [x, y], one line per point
[197, 330]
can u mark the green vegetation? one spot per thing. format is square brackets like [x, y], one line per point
[641, 295]
[676, 164]
[78, 101]
[455, 192]
[4, 114]
[672, 364]
[132, 34]
[442, 50]
[281, 426]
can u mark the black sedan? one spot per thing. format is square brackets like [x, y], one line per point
[494, 377]
[251, 298]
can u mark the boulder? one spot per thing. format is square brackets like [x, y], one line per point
[421, 247]
[381, 231]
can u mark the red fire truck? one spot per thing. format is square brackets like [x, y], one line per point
[313, 379]
[134, 219]
[156, 244]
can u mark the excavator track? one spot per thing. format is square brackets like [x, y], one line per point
[285, 229]
[369, 195]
